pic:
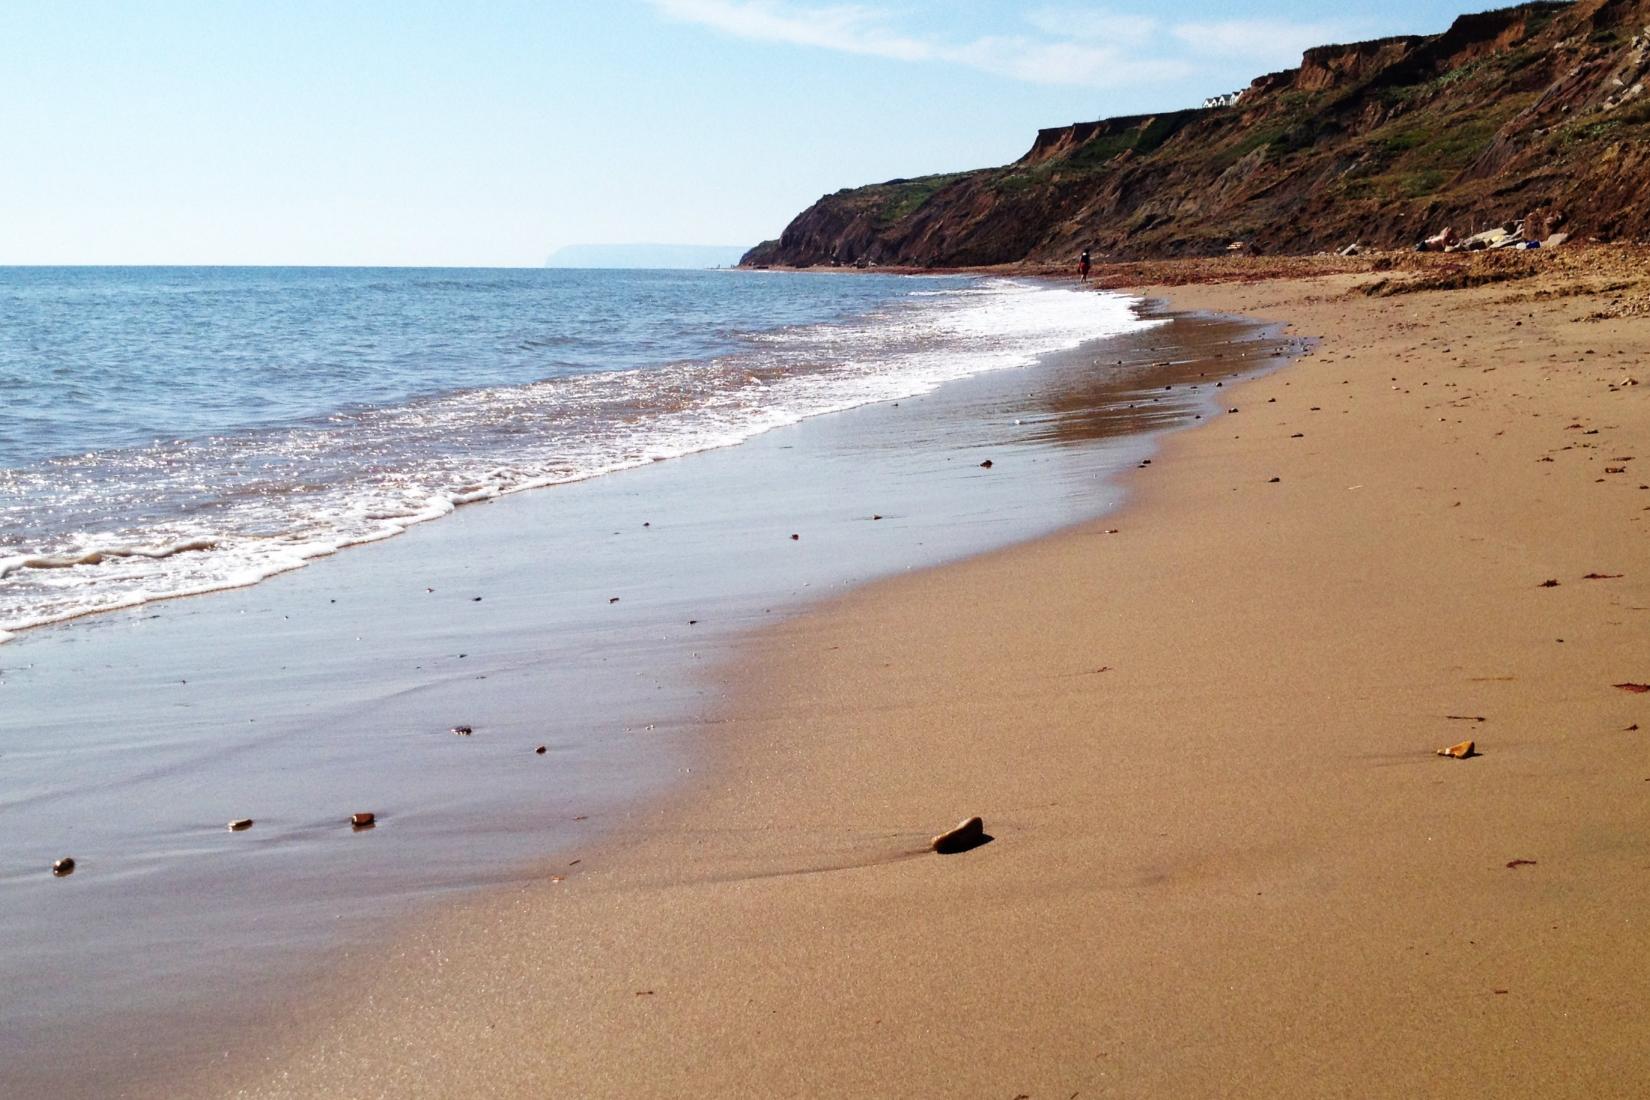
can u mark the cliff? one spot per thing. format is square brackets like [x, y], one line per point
[1539, 108]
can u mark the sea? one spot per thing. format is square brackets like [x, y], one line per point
[175, 431]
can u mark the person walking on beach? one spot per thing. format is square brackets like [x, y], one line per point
[1083, 266]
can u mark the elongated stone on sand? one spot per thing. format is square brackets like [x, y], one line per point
[240, 824]
[462, 731]
[64, 866]
[1461, 751]
[363, 821]
[966, 835]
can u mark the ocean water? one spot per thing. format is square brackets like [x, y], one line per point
[171, 431]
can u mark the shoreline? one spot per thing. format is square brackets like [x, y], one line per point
[346, 678]
[1226, 858]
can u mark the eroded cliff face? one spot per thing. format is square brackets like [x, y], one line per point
[1540, 107]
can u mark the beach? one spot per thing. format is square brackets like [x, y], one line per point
[503, 688]
[1202, 733]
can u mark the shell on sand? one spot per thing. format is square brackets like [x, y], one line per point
[1461, 751]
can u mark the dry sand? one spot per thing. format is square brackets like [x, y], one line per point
[1226, 860]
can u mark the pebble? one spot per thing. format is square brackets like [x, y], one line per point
[1461, 751]
[541, 750]
[796, 538]
[986, 465]
[964, 836]
[64, 866]
[363, 821]
[240, 824]
[462, 731]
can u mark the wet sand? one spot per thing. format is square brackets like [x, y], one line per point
[1225, 858]
[578, 618]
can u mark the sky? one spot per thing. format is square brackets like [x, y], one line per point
[405, 132]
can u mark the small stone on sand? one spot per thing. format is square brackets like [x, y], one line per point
[1460, 751]
[966, 835]
[796, 538]
[240, 824]
[64, 866]
[986, 465]
[462, 731]
[541, 750]
[363, 821]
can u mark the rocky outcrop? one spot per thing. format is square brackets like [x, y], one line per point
[1539, 108]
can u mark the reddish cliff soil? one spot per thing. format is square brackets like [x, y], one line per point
[1538, 109]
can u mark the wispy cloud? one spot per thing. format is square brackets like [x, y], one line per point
[849, 28]
[1087, 47]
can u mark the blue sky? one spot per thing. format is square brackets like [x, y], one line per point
[406, 132]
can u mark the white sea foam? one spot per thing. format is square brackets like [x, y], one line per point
[184, 517]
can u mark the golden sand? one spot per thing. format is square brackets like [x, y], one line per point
[1225, 857]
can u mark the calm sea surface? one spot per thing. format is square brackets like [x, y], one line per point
[166, 431]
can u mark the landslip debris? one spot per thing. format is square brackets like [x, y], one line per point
[967, 834]
[1461, 751]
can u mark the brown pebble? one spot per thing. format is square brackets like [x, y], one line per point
[612, 599]
[795, 538]
[240, 824]
[967, 834]
[363, 821]
[1461, 751]
[541, 750]
[1274, 481]
[986, 465]
[64, 866]
[876, 517]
